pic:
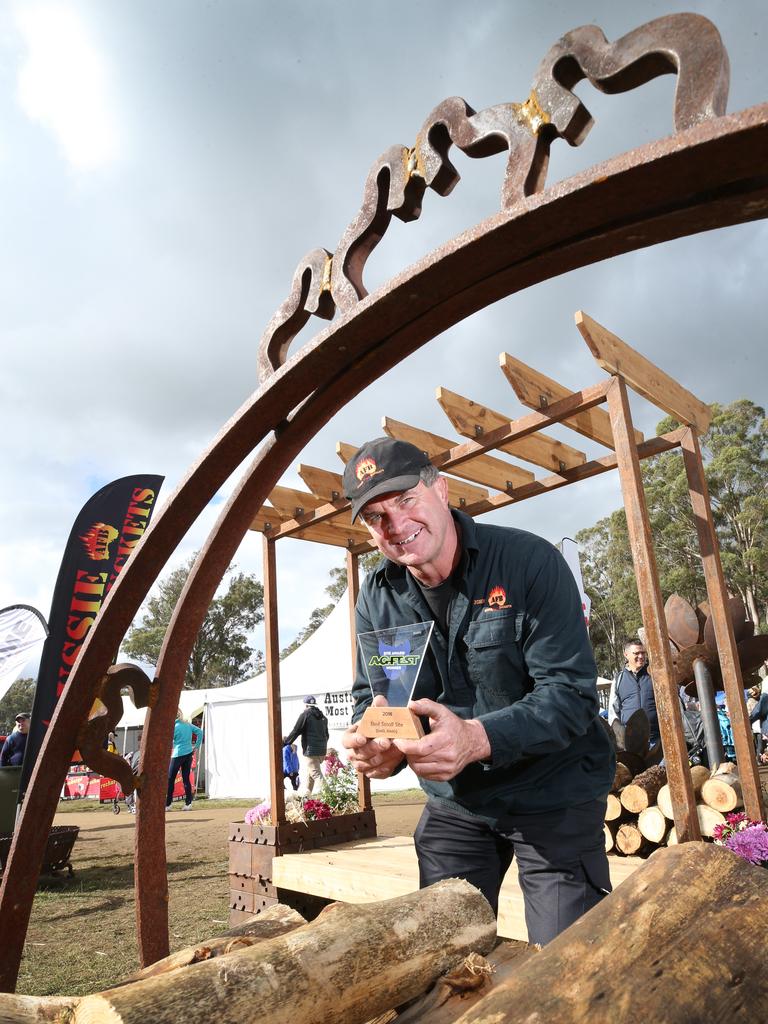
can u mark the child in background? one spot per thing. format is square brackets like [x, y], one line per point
[291, 764]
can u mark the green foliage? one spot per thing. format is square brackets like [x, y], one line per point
[609, 579]
[735, 455]
[221, 655]
[339, 789]
[18, 697]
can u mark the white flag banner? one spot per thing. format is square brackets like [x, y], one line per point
[570, 552]
[22, 633]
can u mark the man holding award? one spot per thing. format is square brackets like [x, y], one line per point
[474, 635]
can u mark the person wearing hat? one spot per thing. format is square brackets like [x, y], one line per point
[312, 726]
[515, 761]
[15, 745]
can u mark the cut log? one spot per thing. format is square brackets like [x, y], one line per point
[630, 840]
[699, 775]
[610, 839]
[613, 810]
[467, 984]
[708, 818]
[274, 921]
[622, 777]
[653, 824]
[723, 792]
[634, 762]
[342, 968]
[36, 1009]
[643, 789]
[693, 904]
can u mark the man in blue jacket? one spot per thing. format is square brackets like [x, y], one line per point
[14, 747]
[515, 761]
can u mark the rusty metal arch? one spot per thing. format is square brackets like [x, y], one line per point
[711, 175]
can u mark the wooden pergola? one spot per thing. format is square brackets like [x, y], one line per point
[479, 482]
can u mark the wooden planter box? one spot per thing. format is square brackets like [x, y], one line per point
[252, 848]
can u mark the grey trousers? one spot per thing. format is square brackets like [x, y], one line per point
[561, 861]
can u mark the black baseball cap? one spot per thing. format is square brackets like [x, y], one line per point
[22, 715]
[382, 466]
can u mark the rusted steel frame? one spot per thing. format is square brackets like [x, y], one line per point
[353, 589]
[272, 659]
[646, 450]
[717, 595]
[652, 607]
[635, 200]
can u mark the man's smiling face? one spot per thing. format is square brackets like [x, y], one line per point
[413, 528]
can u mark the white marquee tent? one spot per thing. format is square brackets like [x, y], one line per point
[236, 751]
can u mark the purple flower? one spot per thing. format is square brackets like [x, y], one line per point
[258, 813]
[751, 843]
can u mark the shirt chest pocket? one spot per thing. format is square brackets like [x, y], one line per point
[495, 658]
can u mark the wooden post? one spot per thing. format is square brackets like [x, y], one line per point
[644, 559]
[274, 711]
[721, 620]
[353, 589]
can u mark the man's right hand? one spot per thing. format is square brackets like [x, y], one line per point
[374, 758]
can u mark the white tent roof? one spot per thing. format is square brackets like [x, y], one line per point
[321, 665]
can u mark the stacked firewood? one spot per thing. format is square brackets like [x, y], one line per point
[639, 817]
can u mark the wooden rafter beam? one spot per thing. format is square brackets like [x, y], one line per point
[290, 502]
[324, 531]
[538, 391]
[643, 376]
[470, 419]
[485, 469]
[595, 467]
[322, 482]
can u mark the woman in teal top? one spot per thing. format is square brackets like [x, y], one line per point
[185, 738]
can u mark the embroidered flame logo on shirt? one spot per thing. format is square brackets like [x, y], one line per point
[96, 540]
[497, 597]
[365, 469]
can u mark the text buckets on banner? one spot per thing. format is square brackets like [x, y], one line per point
[22, 633]
[392, 659]
[107, 529]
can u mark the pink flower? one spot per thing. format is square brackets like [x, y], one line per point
[257, 814]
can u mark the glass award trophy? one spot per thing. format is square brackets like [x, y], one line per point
[393, 658]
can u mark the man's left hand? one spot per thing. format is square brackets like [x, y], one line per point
[451, 745]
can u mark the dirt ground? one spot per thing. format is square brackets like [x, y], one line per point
[81, 936]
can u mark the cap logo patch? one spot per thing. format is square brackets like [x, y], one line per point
[365, 469]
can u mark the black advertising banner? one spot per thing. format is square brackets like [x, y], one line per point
[106, 531]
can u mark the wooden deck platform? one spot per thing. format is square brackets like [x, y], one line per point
[380, 868]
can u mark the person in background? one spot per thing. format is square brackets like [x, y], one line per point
[633, 688]
[312, 726]
[185, 738]
[726, 730]
[758, 716]
[13, 749]
[291, 764]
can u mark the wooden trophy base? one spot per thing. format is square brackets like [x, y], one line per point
[390, 723]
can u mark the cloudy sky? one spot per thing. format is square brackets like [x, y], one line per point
[164, 166]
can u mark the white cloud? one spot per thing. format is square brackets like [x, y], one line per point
[64, 83]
